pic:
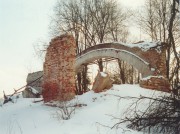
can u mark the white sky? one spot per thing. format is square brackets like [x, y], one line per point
[134, 4]
[22, 23]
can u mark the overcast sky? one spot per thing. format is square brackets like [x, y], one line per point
[22, 24]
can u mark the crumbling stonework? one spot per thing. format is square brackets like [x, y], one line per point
[157, 59]
[102, 82]
[59, 74]
[151, 60]
[156, 56]
[59, 67]
[156, 83]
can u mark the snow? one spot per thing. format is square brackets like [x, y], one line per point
[26, 117]
[153, 69]
[103, 74]
[149, 77]
[144, 45]
[33, 90]
[1, 101]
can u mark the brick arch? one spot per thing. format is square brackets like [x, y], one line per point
[115, 50]
[61, 63]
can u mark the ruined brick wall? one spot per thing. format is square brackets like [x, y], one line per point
[157, 61]
[156, 83]
[156, 56]
[59, 74]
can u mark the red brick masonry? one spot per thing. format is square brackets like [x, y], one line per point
[59, 67]
[156, 83]
[59, 74]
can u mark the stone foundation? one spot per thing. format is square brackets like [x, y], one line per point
[59, 74]
[155, 83]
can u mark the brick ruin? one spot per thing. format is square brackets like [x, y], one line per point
[155, 83]
[157, 58]
[153, 54]
[59, 74]
[59, 68]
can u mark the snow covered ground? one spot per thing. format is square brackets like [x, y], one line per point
[26, 117]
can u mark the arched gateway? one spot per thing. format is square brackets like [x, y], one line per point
[115, 50]
[61, 63]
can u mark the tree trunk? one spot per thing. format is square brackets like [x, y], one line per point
[121, 69]
[100, 64]
[84, 76]
[132, 72]
[79, 82]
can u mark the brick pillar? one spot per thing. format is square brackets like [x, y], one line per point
[59, 70]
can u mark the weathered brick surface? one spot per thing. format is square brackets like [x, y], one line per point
[156, 83]
[157, 61]
[59, 67]
[156, 57]
[59, 74]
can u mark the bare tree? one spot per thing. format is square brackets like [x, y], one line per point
[154, 21]
[171, 41]
[162, 115]
[91, 22]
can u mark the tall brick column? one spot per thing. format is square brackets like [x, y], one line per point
[59, 73]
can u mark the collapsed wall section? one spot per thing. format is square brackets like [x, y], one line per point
[153, 53]
[59, 73]
[157, 59]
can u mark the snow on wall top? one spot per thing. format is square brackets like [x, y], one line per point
[149, 77]
[144, 45]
